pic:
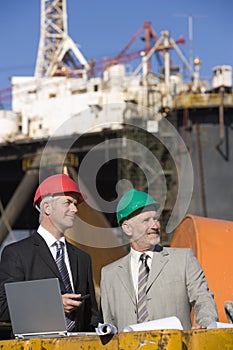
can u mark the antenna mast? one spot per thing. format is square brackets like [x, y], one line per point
[57, 52]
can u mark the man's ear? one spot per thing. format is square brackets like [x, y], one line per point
[47, 208]
[126, 228]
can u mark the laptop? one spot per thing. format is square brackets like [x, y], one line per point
[36, 309]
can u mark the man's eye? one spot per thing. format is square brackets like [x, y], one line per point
[68, 203]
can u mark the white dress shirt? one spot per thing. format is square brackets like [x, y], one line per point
[135, 262]
[50, 240]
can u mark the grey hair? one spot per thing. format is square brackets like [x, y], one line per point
[46, 199]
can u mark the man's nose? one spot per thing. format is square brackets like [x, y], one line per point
[74, 207]
[156, 223]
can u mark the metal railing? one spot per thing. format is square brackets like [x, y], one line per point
[202, 100]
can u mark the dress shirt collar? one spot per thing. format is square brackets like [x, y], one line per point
[135, 256]
[48, 237]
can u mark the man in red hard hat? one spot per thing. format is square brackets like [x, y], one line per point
[47, 254]
[55, 185]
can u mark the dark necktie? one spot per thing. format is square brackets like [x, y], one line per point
[142, 282]
[65, 277]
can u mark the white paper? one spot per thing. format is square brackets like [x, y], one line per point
[220, 325]
[106, 328]
[162, 323]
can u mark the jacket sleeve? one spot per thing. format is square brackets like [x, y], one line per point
[106, 314]
[10, 271]
[201, 298]
[95, 315]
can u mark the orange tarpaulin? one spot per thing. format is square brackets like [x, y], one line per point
[212, 243]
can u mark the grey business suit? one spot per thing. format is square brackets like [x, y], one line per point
[176, 283]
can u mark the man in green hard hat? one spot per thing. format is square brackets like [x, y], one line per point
[132, 204]
[152, 282]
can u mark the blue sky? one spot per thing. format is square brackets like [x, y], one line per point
[102, 28]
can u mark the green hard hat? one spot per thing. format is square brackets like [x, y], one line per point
[132, 201]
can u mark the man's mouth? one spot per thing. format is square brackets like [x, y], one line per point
[157, 232]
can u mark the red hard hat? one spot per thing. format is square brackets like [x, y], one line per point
[55, 184]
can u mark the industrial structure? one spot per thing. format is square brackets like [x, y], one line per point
[151, 130]
[112, 129]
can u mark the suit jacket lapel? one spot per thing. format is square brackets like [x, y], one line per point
[73, 262]
[158, 263]
[125, 275]
[45, 253]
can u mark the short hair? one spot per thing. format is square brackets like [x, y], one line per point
[48, 198]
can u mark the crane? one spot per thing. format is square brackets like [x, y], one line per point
[149, 37]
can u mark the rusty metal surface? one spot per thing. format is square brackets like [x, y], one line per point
[203, 339]
[162, 340]
[65, 343]
[214, 339]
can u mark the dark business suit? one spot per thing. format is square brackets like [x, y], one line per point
[31, 259]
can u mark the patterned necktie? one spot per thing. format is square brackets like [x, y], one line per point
[65, 277]
[142, 281]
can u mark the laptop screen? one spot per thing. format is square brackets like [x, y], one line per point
[35, 307]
